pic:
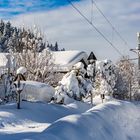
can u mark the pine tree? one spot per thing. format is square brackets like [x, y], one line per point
[56, 47]
[12, 38]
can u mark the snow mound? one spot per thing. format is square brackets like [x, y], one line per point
[112, 121]
[115, 120]
[37, 91]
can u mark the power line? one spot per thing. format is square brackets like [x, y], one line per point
[91, 23]
[93, 1]
[130, 59]
[91, 10]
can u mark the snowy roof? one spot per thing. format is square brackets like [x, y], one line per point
[92, 56]
[64, 60]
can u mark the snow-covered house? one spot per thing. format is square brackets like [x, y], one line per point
[65, 60]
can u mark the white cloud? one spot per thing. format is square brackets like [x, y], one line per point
[12, 10]
[71, 31]
[131, 17]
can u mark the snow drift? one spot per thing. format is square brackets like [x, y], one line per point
[112, 121]
[36, 91]
[115, 120]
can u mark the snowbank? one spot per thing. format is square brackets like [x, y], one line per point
[32, 118]
[115, 120]
[36, 91]
[112, 121]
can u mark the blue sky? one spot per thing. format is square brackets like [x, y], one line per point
[58, 21]
[10, 8]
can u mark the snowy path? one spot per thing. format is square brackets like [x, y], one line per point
[114, 120]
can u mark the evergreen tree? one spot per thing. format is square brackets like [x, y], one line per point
[12, 39]
[56, 47]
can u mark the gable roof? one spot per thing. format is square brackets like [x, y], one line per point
[64, 60]
[92, 56]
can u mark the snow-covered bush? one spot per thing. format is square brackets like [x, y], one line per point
[73, 85]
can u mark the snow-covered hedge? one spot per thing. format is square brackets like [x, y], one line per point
[36, 91]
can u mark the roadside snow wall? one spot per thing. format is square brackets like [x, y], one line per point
[110, 121]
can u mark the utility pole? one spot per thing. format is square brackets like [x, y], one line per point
[130, 89]
[137, 51]
[138, 36]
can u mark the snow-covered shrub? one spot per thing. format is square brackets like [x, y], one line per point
[73, 85]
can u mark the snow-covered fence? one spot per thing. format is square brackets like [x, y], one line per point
[36, 91]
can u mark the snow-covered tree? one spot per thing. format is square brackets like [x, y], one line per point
[127, 79]
[105, 77]
[13, 39]
[73, 85]
[29, 50]
[39, 65]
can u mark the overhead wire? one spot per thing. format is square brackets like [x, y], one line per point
[91, 10]
[91, 23]
[113, 28]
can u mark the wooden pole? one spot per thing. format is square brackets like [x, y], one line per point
[130, 91]
[18, 92]
[91, 95]
[138, 36]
